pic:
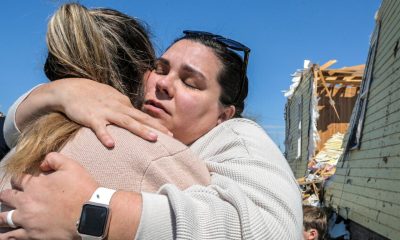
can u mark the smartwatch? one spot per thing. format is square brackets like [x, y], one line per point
[95, 215]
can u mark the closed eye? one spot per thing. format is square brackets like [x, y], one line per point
[188, 83]
[192, 78]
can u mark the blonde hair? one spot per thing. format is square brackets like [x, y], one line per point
[99, 44]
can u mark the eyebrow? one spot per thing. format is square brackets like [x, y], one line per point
[163, 61]
[185, 68]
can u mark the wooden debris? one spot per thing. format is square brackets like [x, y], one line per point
[321, 168]
[344, 76]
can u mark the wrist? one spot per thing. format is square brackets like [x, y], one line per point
[60, 92]
[126, 209]
[32, 106]
[52, 94]
[95, 215]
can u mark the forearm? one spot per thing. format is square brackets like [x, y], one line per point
[243, 201]
[38, 102]
[224, 211]
[126, 208]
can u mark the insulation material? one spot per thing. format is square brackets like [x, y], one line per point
[313, 134]
[320, 169]
[324, 163]
[296, 79]
[332, 150]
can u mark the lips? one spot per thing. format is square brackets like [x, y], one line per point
[154, 105]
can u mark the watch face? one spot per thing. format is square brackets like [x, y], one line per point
[93, 220]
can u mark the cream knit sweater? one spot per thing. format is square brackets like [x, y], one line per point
[253, 193]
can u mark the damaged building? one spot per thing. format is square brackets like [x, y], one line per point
[366, 187]
[356, 128]
[319, 105]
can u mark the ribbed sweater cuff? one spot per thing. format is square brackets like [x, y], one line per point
[156, 219]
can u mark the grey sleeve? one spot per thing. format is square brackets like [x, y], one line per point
[156, 221]
[10, 128]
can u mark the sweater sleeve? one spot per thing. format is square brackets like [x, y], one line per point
[253, 193]
[4, 149]
[10, 128]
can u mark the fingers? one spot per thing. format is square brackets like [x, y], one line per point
[19, 234]
[100, 129]
[5, 222]
[128, 118]
[18, 182]
[134, 126]
[10, 197]
[146, 120]
[3, 219]
[55, 161]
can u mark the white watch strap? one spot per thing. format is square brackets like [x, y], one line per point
[86, 237]
[102, 195]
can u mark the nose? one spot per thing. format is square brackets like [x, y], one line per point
[165, 87]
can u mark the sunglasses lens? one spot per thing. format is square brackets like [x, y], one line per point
[228, 42]
[233, 44]
[201, 33]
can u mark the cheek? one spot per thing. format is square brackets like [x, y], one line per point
[197, 106]
[149, 83]
[187, 104]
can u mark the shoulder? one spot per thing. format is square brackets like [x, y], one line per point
[238, 137]
[128, 143]
[237, 128]
[243, 128]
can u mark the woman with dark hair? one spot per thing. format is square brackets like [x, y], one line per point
[197, 91]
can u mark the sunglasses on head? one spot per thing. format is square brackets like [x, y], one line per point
[231, 44]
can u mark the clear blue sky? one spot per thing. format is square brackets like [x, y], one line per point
[281, 34]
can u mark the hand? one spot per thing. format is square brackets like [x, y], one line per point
[93, 105]
[49, 205]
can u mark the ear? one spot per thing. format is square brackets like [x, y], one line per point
[227, 113]
[312, 234]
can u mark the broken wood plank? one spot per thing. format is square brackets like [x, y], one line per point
[352, 83]
[327, 64]
[331, 101]
[333, 71]
[357, 67]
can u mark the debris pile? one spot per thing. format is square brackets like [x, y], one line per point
[320, 169]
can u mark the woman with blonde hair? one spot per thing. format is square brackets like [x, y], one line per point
[111, 48]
